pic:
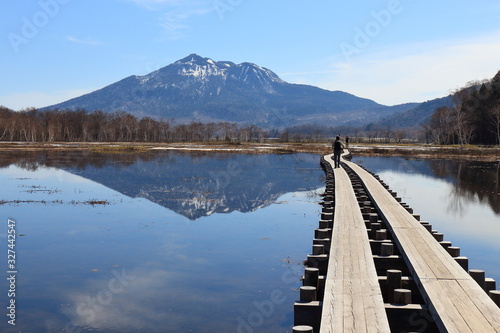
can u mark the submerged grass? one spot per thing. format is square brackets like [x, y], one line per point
[55, 202]
[267, 147]
[110, 149]
[437, 151]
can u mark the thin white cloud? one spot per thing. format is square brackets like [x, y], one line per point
[123, 309]
[176, 21]
[94, 304]
[175, 15]
[86, 41]
[415, 73]
[174, 25]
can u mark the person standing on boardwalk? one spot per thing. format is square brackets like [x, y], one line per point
[337, 146]
[347, 141]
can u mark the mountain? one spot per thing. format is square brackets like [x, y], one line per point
[200, 89]
[417, 115]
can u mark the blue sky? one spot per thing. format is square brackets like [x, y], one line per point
[391, 51]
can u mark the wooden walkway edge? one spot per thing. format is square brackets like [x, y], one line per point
[376, 267]
[457, 303]
[353, 300]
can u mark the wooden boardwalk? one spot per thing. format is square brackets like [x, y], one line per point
[457, 303]
[353, 300]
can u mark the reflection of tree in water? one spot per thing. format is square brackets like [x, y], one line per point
[473, 180]
[497, 179]
[32, 160]
[458, 197]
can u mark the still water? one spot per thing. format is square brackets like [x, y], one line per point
[461, 199]
[157, 242]
[197, 242]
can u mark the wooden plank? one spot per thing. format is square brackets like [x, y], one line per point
[455, 300]
[353, 300]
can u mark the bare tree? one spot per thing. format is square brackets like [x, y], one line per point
[285, 136]
[461, 118]
[495, 119]
[79, 125]
[388, 134]
[440, 126]
[399, 136]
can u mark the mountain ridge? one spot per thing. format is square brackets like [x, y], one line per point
[195, 88]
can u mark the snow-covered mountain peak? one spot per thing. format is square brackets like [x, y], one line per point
[200, 67]
[191, 59]
[200, 71]
[201, 89]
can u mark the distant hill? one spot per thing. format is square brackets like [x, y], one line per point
[415, 116]
[200, 89]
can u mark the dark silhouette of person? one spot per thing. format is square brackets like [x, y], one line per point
[337, 146]
[347, 141]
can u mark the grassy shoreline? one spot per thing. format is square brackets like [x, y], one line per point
[321, 148]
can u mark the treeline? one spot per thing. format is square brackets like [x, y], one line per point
[474, 117]
[97, 126]
[33, 125]
[371, 133]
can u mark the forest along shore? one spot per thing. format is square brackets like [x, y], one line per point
[320, 148]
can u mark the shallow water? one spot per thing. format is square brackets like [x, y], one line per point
[169, 242]
[459, 198]
[197, 242]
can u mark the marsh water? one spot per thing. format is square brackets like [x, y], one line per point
[461, 199]
[197, 242]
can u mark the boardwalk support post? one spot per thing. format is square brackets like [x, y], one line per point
[438, 236]
[311, 276]
[454, 251]
[308, 294]
[463, 262]
[318, 249]
[307, 314]
[479, 276]
[381, 234]
[402, 296]
[386, 249]
[393, 283]
[495, 296]
[490, 284]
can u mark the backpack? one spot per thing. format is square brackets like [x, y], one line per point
[337, 145]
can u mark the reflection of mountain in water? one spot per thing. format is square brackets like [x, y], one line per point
[193, 184]
[200, 186]
[471, 179]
